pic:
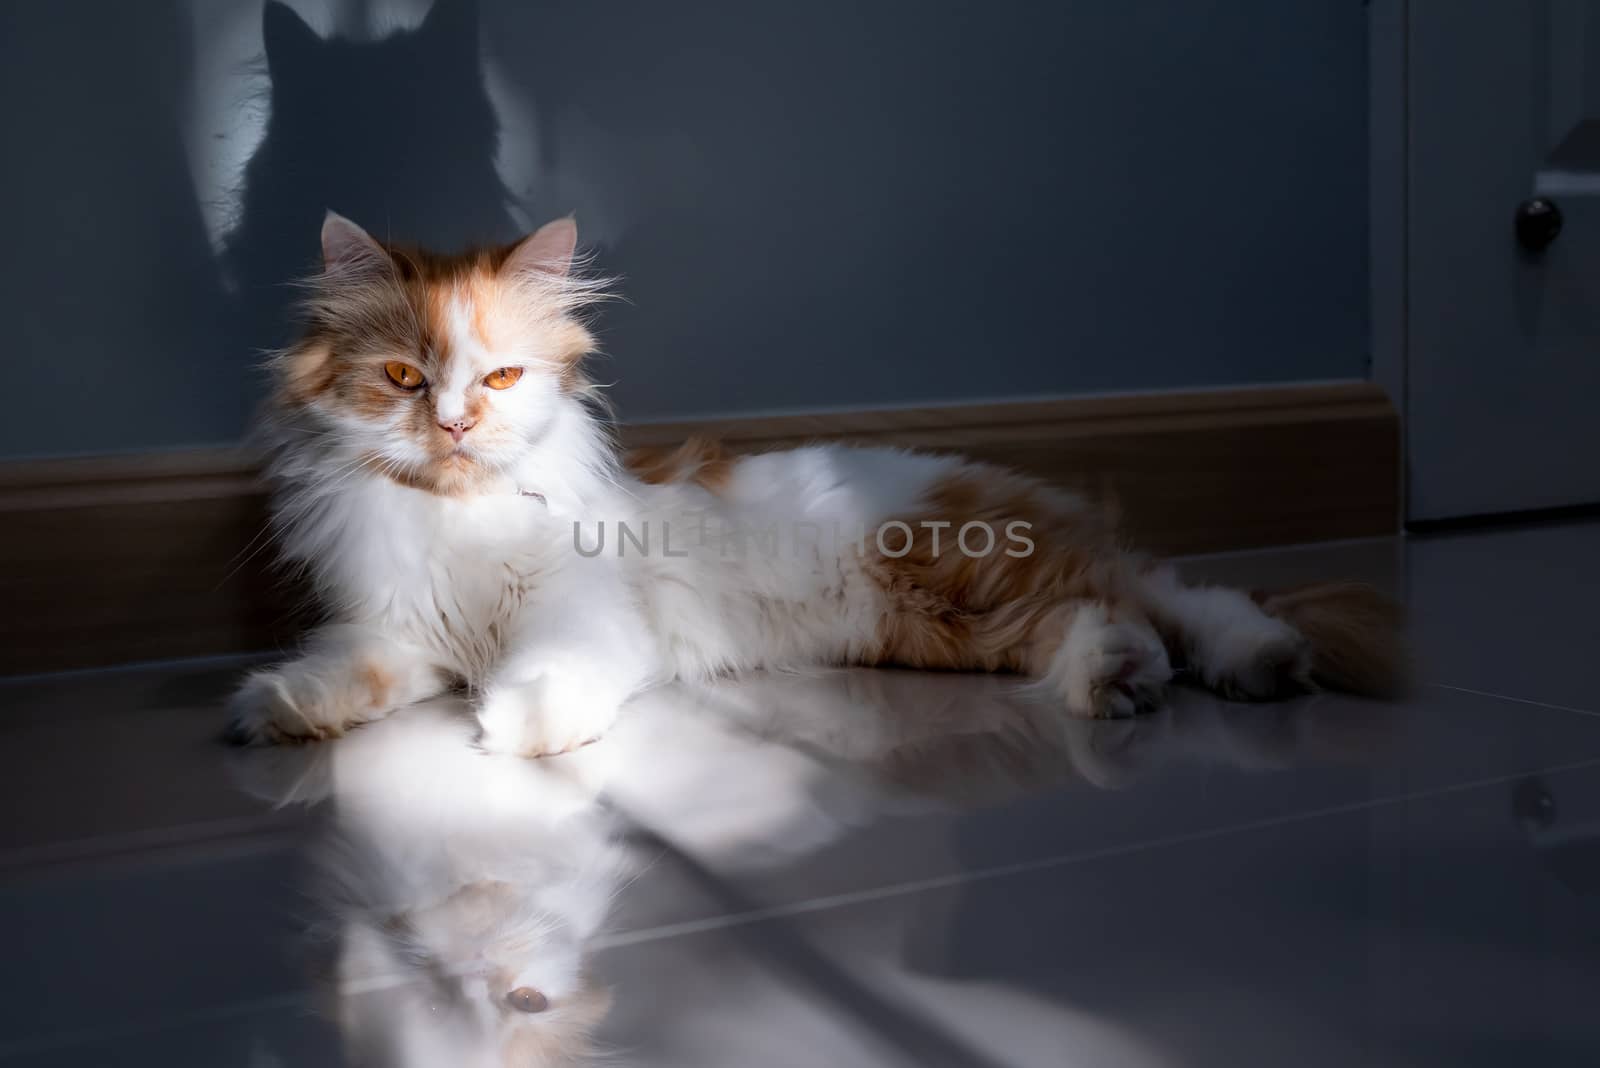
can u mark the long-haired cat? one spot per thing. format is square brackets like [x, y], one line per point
[441, 474]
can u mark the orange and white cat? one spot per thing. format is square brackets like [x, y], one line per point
[441, 473]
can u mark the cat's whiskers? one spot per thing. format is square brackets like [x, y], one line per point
[319, 490]
[253, 547]
[262, 538]
[310, 432]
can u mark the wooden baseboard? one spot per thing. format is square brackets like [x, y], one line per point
[116, 559]
[112, 559]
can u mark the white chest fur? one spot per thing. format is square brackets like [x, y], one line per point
[449, 574]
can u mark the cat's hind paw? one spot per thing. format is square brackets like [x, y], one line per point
[1107, 670]
[1256, 658]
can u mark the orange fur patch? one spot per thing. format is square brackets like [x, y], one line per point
[698, 460]
[378, 683]
[993, 612]
[308, 370]
[1357, 642]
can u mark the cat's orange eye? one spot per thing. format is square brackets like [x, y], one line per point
[504, 378]
[403, 375]
[527, 999]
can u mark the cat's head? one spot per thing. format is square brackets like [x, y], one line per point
[484, 977]
[438, 371]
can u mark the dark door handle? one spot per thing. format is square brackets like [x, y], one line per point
[1538, 223]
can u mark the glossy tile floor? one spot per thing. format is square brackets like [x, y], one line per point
[852, 868]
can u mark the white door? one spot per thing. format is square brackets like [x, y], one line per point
[1502, 338]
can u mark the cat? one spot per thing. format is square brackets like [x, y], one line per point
[401, 128]
[442, 471]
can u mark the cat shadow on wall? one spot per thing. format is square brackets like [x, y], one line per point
[398, 133]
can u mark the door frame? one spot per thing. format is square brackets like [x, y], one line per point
[1388, 216]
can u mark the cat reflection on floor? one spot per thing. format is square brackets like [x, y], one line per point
[458, 893]
[463, 894]
[851, 785]
[768, 768]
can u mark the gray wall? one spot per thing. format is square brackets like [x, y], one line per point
[824, 204]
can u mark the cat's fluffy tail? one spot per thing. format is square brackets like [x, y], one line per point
[1356, 634]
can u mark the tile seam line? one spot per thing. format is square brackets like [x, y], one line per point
[1514, 700]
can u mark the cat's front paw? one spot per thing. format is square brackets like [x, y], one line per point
[554, 713]
[280, 706]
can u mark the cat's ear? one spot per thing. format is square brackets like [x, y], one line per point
[452, 26]
[548, 250]
[289, 42]
[346, 248]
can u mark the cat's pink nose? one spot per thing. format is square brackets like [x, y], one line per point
[456, 428]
